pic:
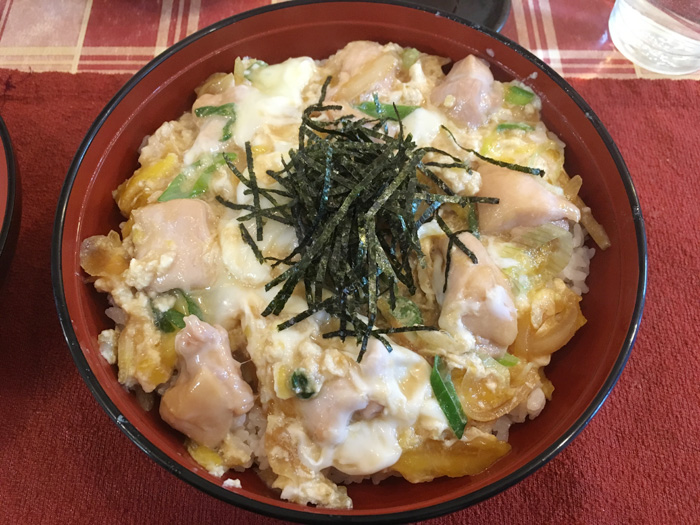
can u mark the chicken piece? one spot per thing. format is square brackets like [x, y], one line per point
[209, 392]
[372, 410]
[524, 201]
[467, 94]
[175, 246]
[326, 416]
[478, 301]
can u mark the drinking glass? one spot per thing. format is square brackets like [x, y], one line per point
[662, 36]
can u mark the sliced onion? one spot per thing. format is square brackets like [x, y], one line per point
[434, 458]
[548, 329]
[550, 245]
[498, 393]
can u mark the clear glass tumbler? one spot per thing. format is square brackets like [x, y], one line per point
[662, 36]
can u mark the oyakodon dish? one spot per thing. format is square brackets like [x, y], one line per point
[353, 268]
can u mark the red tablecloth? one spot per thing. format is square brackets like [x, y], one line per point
[63, 461]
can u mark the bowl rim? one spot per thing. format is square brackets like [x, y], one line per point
[301, 515]
[9, 219]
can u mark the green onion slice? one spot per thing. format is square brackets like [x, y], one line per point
[409, 57]
[191, 307]
[406, 312]
[444, 390]
[380, 110]
[179, 187]
[508, 360]
[225, 110]
[174, 319]
[301, 385]
[519, 96]
[168, 321]
[226, 132]
[253, 66]
[513, 125]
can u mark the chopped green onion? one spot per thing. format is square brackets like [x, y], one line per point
[380, 110]
[254, 66]
[301, 385]
[225, 110]
[226, 133]
[192, 308]
[513, 125]
[178, 189]
[168, 321]
[174, 319]
[175, 190]
[508, 360]
[446, 395]
[406, 312]
[409, 57]
[519, 96]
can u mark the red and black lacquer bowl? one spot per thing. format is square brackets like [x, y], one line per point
[9, 201]
[584, 372]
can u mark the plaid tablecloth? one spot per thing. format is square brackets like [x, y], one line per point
[120, 36]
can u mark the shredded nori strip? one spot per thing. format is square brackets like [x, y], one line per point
[250, 242]
[254, 190]
[356, 196]
[383, 331]
[473, 220]
[453, 241]
[502, 164]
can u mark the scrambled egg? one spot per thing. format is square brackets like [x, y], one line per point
[188, 291]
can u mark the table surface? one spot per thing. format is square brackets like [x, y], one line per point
[638, 460]
[121, 36]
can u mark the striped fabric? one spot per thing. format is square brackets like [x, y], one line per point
[119, 37]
